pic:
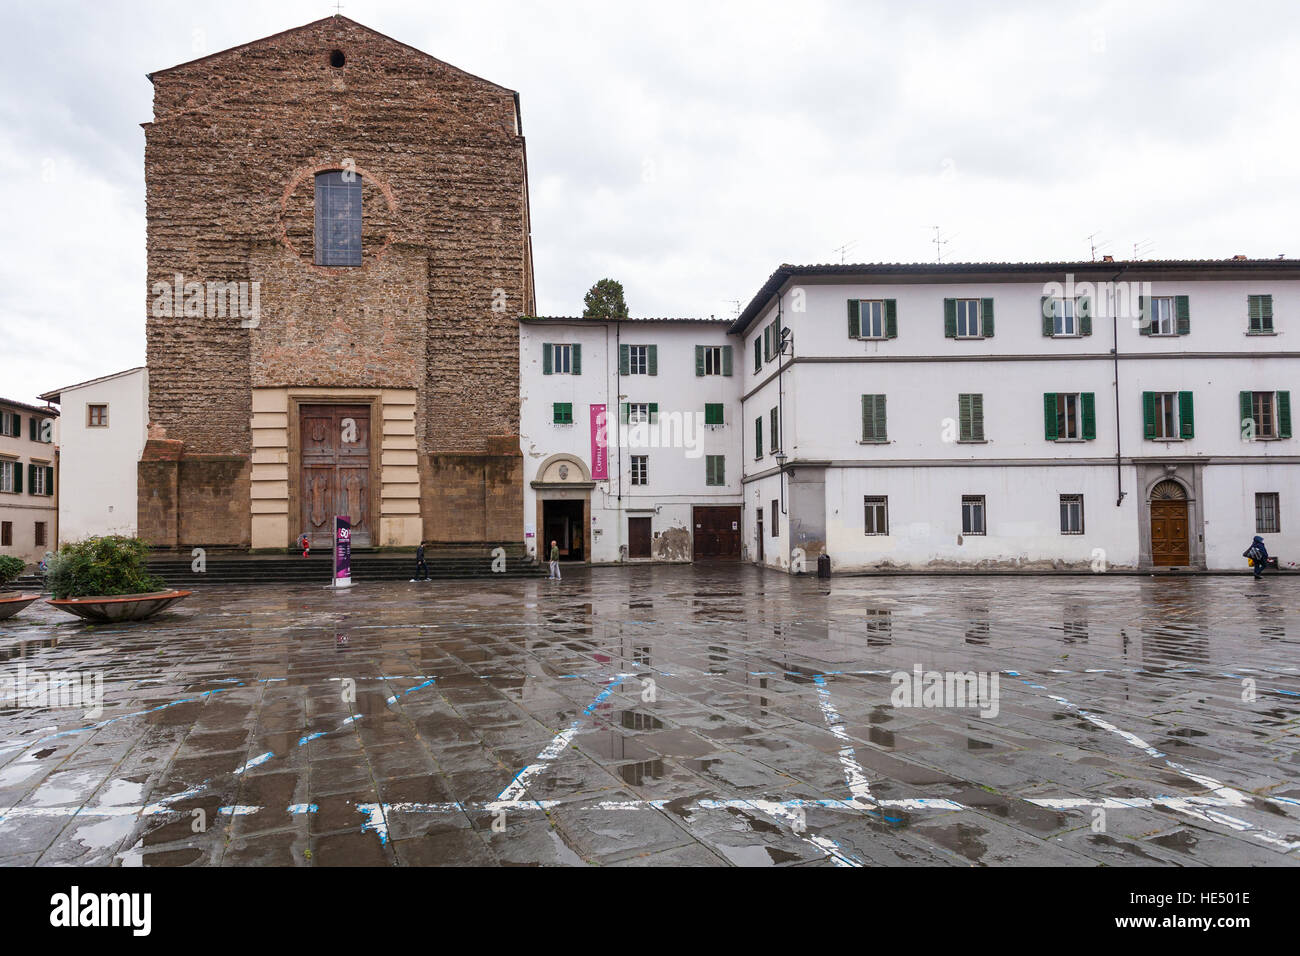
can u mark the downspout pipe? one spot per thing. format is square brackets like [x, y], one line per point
[1120, 493]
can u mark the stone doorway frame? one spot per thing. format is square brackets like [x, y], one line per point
[1189, 476]
[374, 401]
[575, 486]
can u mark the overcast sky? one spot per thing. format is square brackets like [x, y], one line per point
[687, 149]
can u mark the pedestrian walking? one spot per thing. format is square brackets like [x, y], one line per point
[421, 569]
[304, 542]
[555, 561]
[1258, 555]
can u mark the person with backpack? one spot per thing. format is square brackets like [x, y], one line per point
[1258, 555]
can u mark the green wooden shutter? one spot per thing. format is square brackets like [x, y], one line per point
[855, 319]
[891, 318]
[758, 437]
[726, 360]
[977, 416]
[31, 428]
[1284, 414]
[950, 318]
[547, 362]
[758, 354]
[1088, 401]
[49, 472]
[986, 318]
[577, 359]
[654, 413]
[623, 412]
[963, 417]
[1049, 315]
[774, 439]
[18, 476]
[1148, 414]
[624, 360]
[1245, 408]
[1183, 313]
[699, 360]
[882, 420]
[1144, 320]
[767, 343]
[1186, 417]
[31, 479]
[868, 424]
[1049, 416]
[1084, 312]
[719, 469]
[652, 359]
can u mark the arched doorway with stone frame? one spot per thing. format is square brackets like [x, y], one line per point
[1172, 517]
[563, 489]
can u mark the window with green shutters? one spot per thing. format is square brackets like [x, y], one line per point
[970, 417]
[561, 359]
[1265, 415]
[7, 471]
[758, 353]
[1165, 315]
[1069, 416]
[873, 318]
[713, 413]
[11, 424]
[40, 480]
[758, 437]
[638, 360]
[562, 413]
[639, 413]
[715, 470]
[873, 418]
[774, 438]
[1259, 309]
[1167, 416]
[968, 318]
[712, 360]
[1067, 318]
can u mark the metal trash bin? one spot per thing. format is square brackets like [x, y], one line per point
[824, 566]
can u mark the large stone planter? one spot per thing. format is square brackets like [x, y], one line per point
[13, 602]
[122, 607]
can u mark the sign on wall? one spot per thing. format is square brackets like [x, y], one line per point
[599, 444]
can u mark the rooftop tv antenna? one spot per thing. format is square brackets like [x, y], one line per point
[736, 303]
[844, 248]
[1094, 247]
[939, 243]
[1141, 248]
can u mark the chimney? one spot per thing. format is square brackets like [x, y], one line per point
[1107, 258]
[1238, 258]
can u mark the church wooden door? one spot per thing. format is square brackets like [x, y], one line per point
[335, 459]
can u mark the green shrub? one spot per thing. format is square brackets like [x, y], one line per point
[10, 568]
[111, 565]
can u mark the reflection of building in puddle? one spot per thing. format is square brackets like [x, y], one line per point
[977, 624]
[1174, 631]
[641, 654]
[1074, 624]
[636, 774]
[637, 720]
[879, 627]
[1272, 626]
[876, 734]
[25, 648]
[720, 657]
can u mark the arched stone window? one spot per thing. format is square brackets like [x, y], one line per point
[338, 218]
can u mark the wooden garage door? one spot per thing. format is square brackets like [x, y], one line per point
[717, 532]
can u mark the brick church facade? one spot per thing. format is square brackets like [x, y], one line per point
[338, 252]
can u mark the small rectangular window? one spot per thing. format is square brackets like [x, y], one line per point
[7, 475]
[1263, 410]
[562, 357]
[968, 319]
[1067, 415]
[640, 469]
[774, 438]
[1065, 316]
[972, 514]
[38, 480]
[713, 413]
[871, 318]
[876, 518]
[776, 518]
[6, 534]
[638, 360]
[1162, 316]
[1260, 311]
[873, 418]
[638, 413]
[970, 417]
[1166, 414]
[715, 470]
[97, 416]
[563, 413]
[1071, 514]
[1267, 519]
[712, 360]
[40, 534]
[9, 424]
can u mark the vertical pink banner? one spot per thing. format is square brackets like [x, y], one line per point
[599, 444]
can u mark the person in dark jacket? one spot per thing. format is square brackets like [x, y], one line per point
[421, 569]
[1258, 554]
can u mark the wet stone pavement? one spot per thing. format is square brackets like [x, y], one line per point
[705, 715]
